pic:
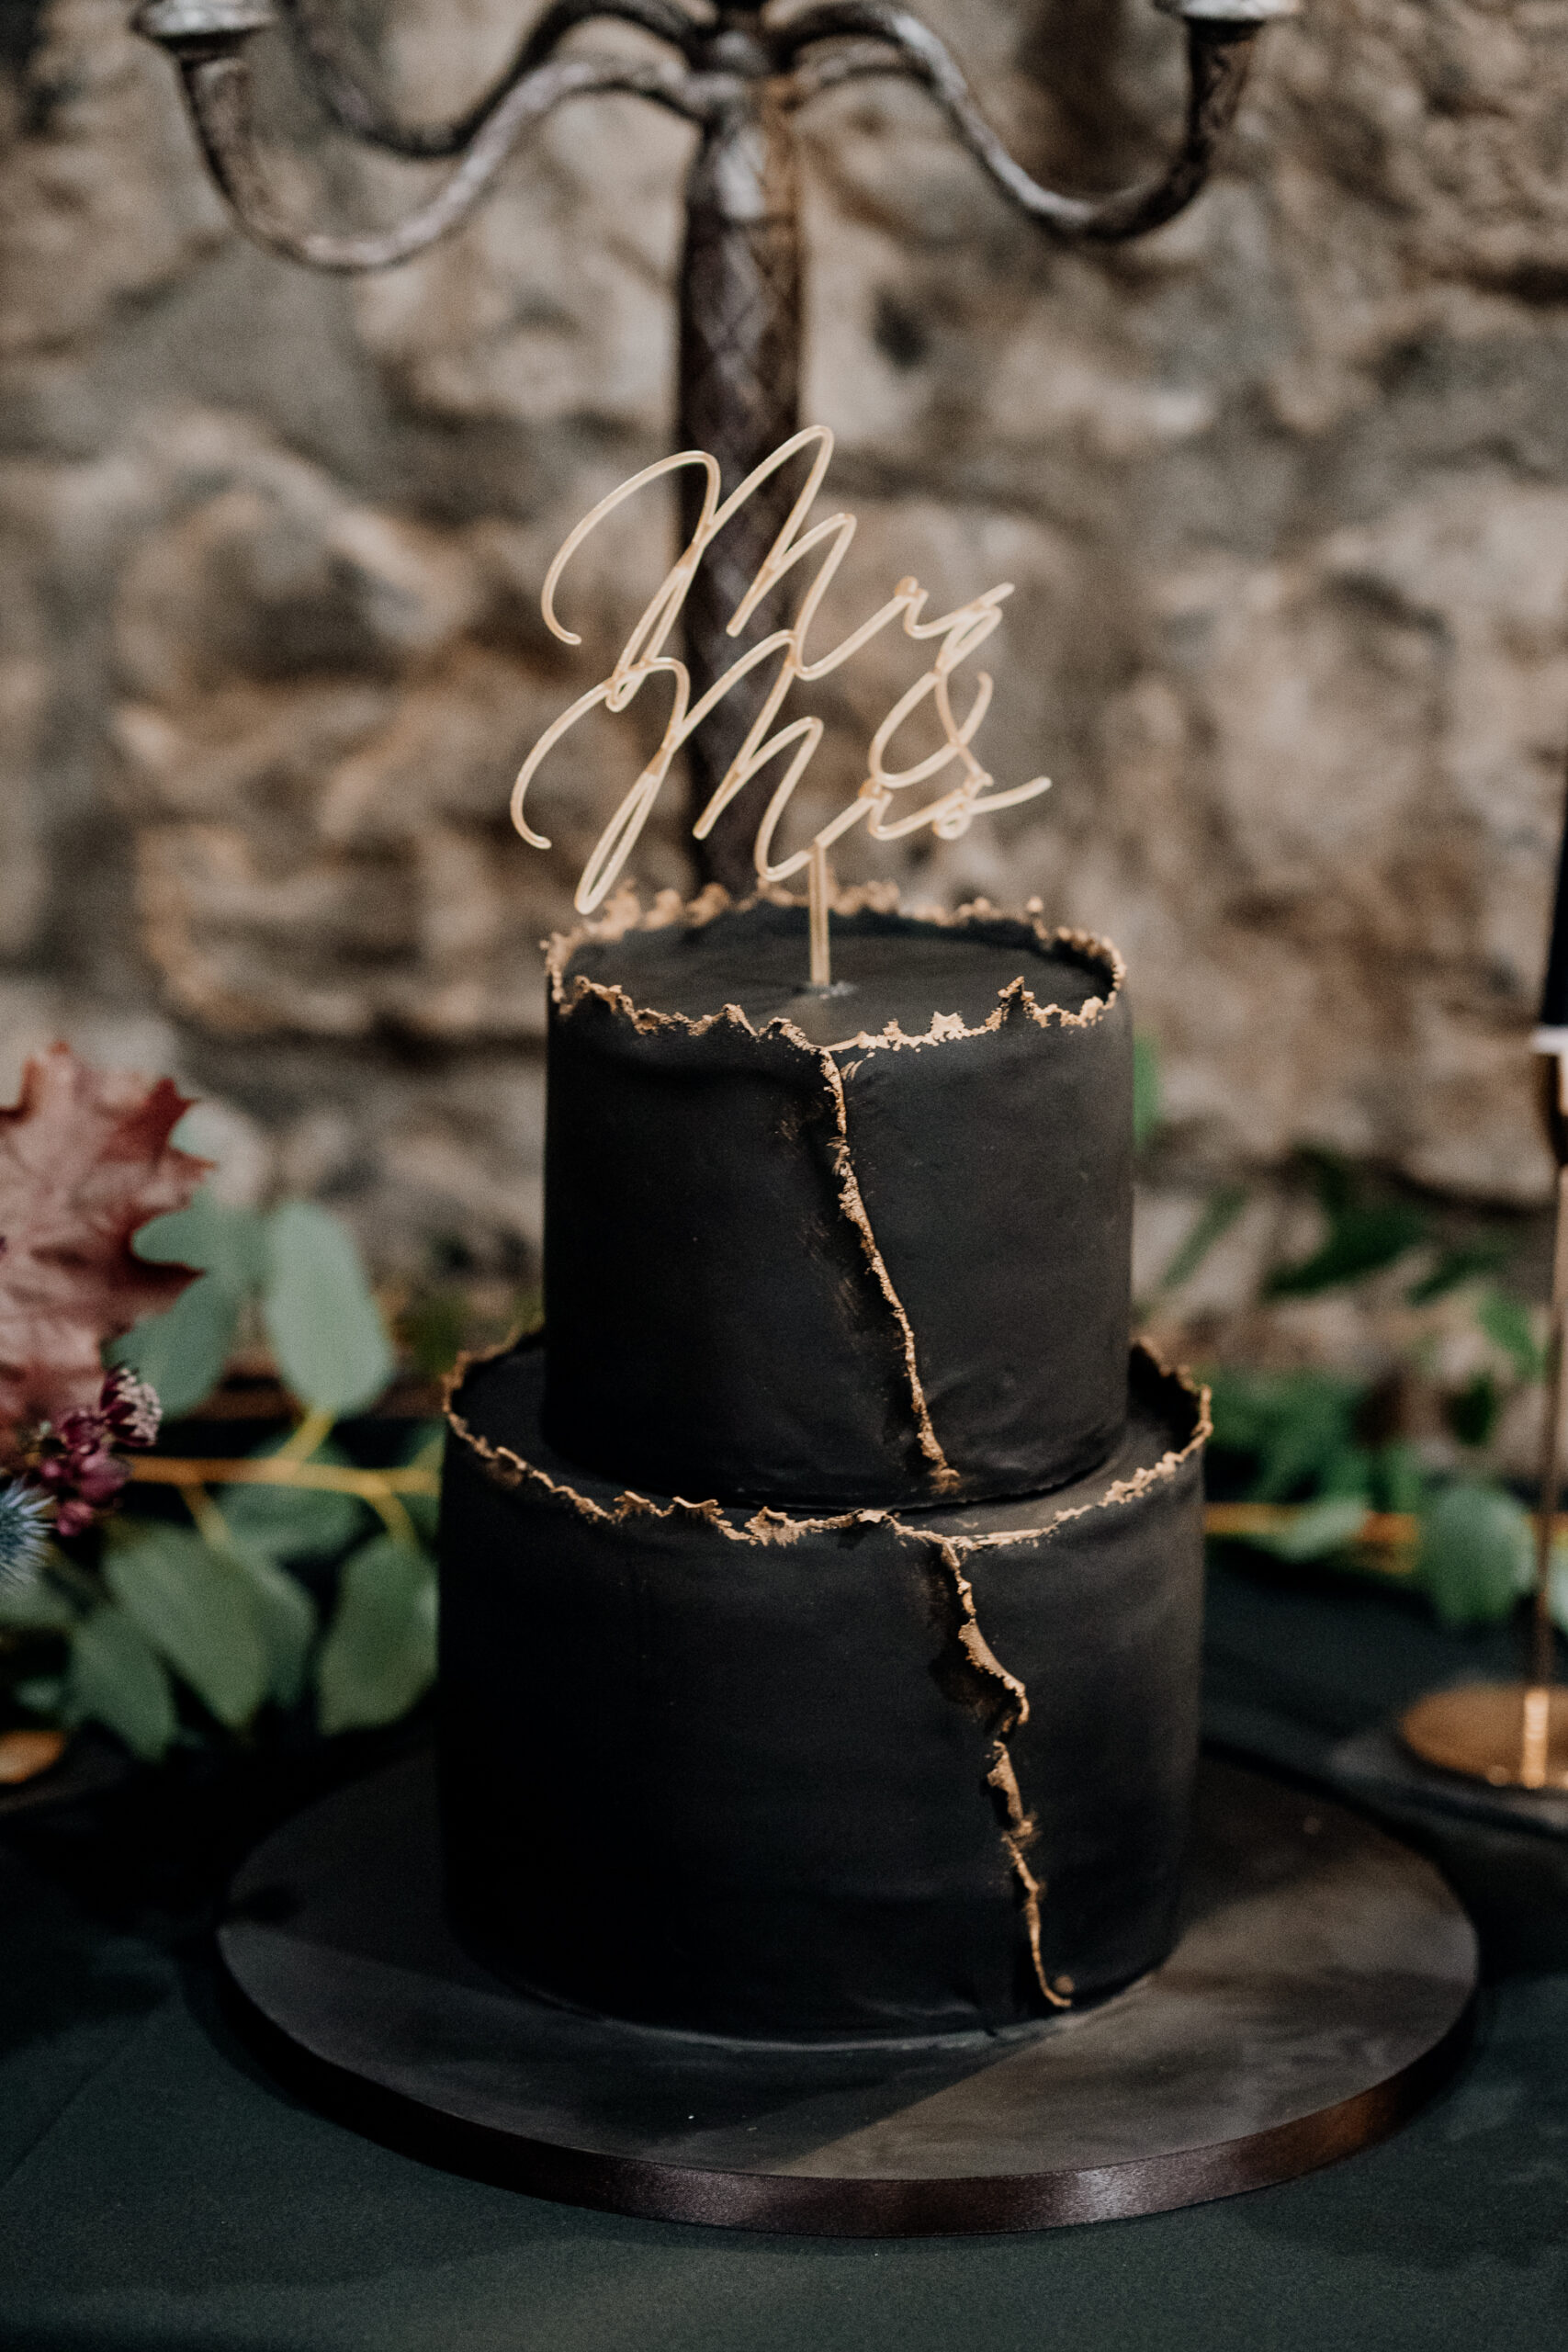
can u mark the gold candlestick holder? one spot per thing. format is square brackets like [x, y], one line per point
[1514, 1735]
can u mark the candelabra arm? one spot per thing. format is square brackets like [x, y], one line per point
[872, 36]
[218, 88]
[357, 110]
[739, 367]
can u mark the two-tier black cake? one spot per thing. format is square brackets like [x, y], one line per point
[820, 1594]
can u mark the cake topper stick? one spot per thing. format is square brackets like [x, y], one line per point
[1510, 1733]
[821, 880]
[797, 545]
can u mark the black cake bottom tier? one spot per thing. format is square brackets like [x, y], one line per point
[863, 1775]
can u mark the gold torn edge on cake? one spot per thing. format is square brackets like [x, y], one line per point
[851, 1201]
[510, 1469]
[625, 914]
[506, 1468]
[770, 1525]
[1010, 1714]
[1127, 1490]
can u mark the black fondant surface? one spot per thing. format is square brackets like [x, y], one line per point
[716, 1325]
[886, 968]
[740, 1785]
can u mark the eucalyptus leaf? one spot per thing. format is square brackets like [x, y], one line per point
[184, 1350]
[197, 1610]
[433, 1329]
[286, 1617]
[1145, 1088]
[1349, 1472]
[1317, 1529]
[1336, 1184]
[380, 1654]
[209, 1233]
[322, 1317]
[1457, 1266]
[117, 1678]
[1361, 1241]
[295, 1523]
[41, 1694]
[425, 1512]
[1508, 1324]
[1399, 1478]
[1471, 1411]
[422, 1450]
[37, 1607]
[1476, 1554]
[1211, 1224]
[1297, 1426]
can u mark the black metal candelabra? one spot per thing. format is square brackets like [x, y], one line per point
[739, 74]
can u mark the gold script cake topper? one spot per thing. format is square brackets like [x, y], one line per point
[956, 635]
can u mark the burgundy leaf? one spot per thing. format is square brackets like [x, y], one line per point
[85, 1161]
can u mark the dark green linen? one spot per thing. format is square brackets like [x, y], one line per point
[157, 2190]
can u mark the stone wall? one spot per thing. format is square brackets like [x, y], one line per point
[1283, 489]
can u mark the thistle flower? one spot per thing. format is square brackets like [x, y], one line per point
[24, 1536]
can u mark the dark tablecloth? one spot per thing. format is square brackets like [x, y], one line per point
[158, 2189]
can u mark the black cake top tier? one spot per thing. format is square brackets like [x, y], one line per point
[871, 1247]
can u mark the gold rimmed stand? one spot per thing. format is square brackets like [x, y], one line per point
[1514, 1735]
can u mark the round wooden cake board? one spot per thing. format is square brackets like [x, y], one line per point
[1320, 1991]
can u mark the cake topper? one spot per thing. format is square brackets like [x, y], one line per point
[742, 75]
[956, 635]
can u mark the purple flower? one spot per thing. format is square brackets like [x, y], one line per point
[130, 1409]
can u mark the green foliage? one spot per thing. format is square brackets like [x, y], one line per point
[1362, 1237]
[41, 1694]
[1399, 1481]
[36, 1608]
[295, 1523]
[323, 1322]
[1453, 1268]
[228, 1243]
[320, 1314]
[379, 1654]
[1146, 1088]
[1506, 1323]
[284, 1617]
[1471, 1411]
[184, 1350]
[1361, 1240]
[424, 1449]
[218, 1612]
[1476, 1554]
[433, 1328]
[1213, 1221]
[117, 1679]
[1295, 1426]
[1318, 1529]
[231, 1625]
[196, 1608]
